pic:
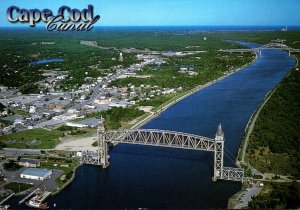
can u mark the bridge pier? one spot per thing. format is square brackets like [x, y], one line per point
[102, 145]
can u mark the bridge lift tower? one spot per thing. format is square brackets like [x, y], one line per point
[219, 153]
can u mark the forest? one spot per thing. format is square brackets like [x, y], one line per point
[278, 196]
[210, 66]
[117, 116]
[275, 142]
[18, 52]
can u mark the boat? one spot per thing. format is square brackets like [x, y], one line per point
[35, 204]
[4, 207]
[36, 201]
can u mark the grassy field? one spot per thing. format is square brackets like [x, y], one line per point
[17, 187]
[45, 139]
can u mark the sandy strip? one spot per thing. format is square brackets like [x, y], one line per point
[77, 144]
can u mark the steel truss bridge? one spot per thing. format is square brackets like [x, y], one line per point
[163, 138]
[263, 47]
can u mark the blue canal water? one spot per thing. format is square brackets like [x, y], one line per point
[51, 60]
[151, 177]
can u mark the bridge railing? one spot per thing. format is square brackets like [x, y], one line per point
[263, 47]
[233, 174]
[160, 138]
[163, 138]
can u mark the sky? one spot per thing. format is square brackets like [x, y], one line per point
[173, 12]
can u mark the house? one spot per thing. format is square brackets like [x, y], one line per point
[26, 162]
[32, 110]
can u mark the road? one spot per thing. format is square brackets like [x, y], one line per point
[247, 195]
[95, 92]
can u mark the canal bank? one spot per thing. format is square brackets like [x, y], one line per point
[157, 111]
[238, 201]
[68, 182]
[251, 123]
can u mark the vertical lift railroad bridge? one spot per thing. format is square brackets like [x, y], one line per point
[163, 138]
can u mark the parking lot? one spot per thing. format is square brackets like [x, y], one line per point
[48, 184]
[247, 195]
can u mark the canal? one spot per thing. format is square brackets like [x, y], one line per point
[151, 177]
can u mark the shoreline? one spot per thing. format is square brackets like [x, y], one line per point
[233, 200]
[253, 117]
[67, 183]
[188, 93]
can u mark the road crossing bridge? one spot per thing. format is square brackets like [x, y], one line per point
[263, 47]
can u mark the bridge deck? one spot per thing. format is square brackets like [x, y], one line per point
[263, 47]
[161, 138]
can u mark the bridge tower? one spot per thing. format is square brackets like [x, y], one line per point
[219, 154]
[102, 145]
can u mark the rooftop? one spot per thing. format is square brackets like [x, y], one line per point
[36, 172]
[27, 160]
[89, 122]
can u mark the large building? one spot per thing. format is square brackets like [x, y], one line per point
[91, 122]
[36, 174]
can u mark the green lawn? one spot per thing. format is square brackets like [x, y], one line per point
[138, 120]
[17, 187]
[46, 139]
[20, 112]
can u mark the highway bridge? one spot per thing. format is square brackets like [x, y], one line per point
[263, 47]
[163, 138]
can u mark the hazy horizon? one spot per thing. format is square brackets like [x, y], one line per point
[175, 12]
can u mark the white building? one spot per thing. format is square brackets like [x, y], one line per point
[36, 174]
[32, 110]
[121, 57]
[118, 105]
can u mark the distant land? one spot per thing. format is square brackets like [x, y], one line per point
[184, 28]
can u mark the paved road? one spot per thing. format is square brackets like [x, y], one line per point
[22, 151]
[247, 195]
[96, 91]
